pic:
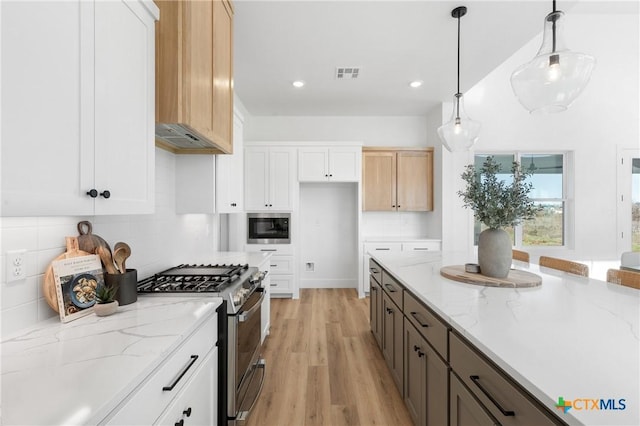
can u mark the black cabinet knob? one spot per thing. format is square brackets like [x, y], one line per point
[180, 423]
[330, 175]
[399, 206]
[326, 175]
[270, 205]
[233, 204]
[266, 205]
[187, 412]
[105, 194]
[93, 193]
[393, 206]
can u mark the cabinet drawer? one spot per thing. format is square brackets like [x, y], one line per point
[149, 400]
[421, 246]
[270, 248]
[381, 247]
[375, 270]
[506, 401]
[281, 264]
[281, 283]
[427, 323]
[392, 288]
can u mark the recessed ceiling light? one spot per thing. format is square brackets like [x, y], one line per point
[298, 84]
[415, 84]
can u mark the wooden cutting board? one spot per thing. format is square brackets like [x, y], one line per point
[49, 283]
[515, 279]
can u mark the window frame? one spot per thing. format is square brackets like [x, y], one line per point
[566, 200]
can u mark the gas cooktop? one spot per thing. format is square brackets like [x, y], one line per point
[193, 279]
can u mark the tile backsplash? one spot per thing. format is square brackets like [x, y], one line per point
[157, 241]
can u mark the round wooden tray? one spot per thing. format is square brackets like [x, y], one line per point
[515, 279]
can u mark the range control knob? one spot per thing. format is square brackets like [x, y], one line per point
[237, 299]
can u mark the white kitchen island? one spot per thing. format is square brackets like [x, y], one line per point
[571, 337]
[82, 371]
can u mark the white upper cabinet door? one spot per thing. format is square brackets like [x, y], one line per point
[256, 181]
[282, 178]
[124, 107]
[43, 151]
[230, 174]
[313, 164]
[77, 108]
[345, 164]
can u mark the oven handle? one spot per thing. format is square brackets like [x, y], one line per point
[242, 415]
[244, 316]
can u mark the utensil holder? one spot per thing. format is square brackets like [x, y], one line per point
[127, 285]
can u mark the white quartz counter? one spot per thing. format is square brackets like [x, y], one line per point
[572, 337]
[76, 373]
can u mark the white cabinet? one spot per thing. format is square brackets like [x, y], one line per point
[230, 174]
[207, 183]
[265, 311]
[78, 108]
[396, 246]
[196, 402]
[269, 178]
[321, 164]
[174, 382]
[281, 265]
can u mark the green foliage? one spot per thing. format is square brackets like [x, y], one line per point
[495, 203]
[105, 294]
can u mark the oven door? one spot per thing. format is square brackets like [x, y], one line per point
[250, 369]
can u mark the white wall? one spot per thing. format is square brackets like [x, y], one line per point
[158, 241]
[604, 117]
[328, 238]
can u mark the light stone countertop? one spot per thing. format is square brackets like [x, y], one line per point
[572, 337]
[374, 239]
[76, 373]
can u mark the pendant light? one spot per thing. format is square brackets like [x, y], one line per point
[556, 76]
[460, 132]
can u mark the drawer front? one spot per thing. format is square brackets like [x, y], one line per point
[423, 246]
[499, 395]
[392, 288]
[281, 264]
[149, 400]
[428, 324]
[382, 247]
[281, 283]
[270, 248]
[375, 271]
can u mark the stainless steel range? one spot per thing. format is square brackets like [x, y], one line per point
[240, 360]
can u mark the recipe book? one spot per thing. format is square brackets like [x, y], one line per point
[76, 280]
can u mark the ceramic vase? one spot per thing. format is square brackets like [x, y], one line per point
[494, 253]
[105, 309]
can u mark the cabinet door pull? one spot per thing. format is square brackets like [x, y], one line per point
[389, 310]
[476, 380]
[274, 285]
[416, 348]
[187, 412]
[391, 288]
[420, 320]
[268, 249]
[420, 354]
[180, 423]
[382, 248]
[184, 371]
[273, 266]
[374, 289]
[421, 248]
[373, 270]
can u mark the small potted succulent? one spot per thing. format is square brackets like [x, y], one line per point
[105, 300]
[497, 205]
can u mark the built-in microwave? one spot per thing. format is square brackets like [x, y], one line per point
[268, 228]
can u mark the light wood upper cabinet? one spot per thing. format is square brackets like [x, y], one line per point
[397, 179]
[194, 74]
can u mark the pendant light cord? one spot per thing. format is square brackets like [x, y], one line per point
[553, 26]
[458, 92]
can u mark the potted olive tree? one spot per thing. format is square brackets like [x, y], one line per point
[497, 204]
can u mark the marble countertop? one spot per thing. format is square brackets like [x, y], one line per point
[572, 337]
[76, 373]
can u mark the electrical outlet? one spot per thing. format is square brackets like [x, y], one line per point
[309, 266]
[16, 265]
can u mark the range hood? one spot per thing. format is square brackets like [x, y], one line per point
[194, 76]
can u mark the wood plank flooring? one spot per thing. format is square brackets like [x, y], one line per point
[324, 367]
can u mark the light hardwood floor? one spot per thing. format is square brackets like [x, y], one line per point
[324, 367]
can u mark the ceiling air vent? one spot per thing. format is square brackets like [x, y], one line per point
[347, 73]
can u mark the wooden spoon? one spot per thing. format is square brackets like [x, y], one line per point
[121, 253]
[107, 260]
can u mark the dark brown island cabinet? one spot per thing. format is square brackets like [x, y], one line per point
[443, 378]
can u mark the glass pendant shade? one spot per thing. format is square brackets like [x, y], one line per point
[460, 132]
[556, 76]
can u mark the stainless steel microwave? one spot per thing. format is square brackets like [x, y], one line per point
[268, 228]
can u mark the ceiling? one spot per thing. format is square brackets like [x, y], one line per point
[392, 42]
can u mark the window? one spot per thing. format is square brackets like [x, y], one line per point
[548, 180]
